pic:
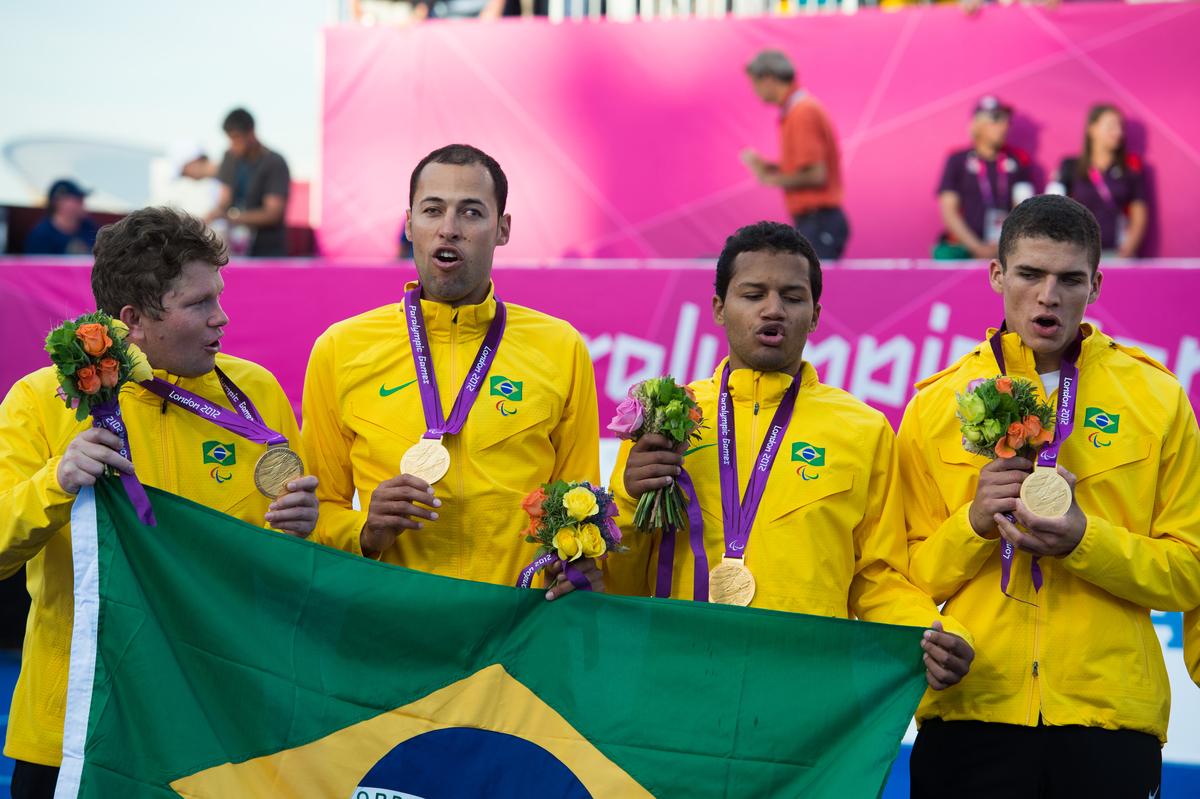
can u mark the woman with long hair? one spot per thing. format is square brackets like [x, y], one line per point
[1109, 181]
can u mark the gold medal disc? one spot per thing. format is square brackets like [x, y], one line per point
[427, 459]
[277, 467]
[731, 583]
[1046, 493]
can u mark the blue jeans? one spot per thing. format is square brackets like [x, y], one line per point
[827, 229]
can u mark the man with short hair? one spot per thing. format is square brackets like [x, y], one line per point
[810, 163]
[66, 229]
[1069, 695]
[981, 184]
[255, 186]
[819, 528]
[158, 271]
[499, 398]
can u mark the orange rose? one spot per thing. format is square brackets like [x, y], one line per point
[695, 414]
[1013, 440]
[1035, 434]
[1003, 450]
[691, 394]
[95, 338]
[1004, 385]
[532, 504]
[87, 381]
[110, 370]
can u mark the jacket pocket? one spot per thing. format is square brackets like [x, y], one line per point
[806, 492]
[1117, 453]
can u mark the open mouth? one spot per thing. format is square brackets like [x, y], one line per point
[447, 257]
[769, 335]
[213, 346]
[1046, 325]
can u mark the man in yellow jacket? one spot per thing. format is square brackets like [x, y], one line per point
[1068, 695]
[159, 272]
[497, 398]
[827, 538]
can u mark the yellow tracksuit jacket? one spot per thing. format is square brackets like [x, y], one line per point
[1086, 653]
[172, 449]
[828, 537]
[1191, 644]
[534, 421]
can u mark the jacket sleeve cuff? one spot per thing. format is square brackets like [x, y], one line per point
[1094, 551]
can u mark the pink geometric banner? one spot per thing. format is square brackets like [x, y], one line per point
[622, 140]
[881, 328]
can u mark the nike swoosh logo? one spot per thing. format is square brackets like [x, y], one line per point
[387, 392]
[697, 449]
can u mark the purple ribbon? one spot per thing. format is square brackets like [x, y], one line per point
[107, 416]
[247, 422]
[542, 561]
[739, 514]
[1048, 457]
[436, 424]
[666, 547]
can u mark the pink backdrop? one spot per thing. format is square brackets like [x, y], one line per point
[621, 140]
[881, 328]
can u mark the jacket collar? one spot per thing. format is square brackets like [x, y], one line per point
[1018, 357]
[469, 319]
[747, 386]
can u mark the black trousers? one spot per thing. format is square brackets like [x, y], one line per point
[33, 780]
[1005, 761]
[826, 229]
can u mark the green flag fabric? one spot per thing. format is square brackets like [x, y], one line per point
[214, 659]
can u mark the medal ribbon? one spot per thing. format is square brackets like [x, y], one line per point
[108, 417]
[991, 200]
[1101, 187]
[739, 514]
[1063, 426]
[436, 425]
[666, 547]
[247, 422]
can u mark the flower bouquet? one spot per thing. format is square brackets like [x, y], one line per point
[661, 406]
[93, 361]
[569, 521]
[1002, 417]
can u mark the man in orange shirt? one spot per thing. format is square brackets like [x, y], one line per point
[810, 168]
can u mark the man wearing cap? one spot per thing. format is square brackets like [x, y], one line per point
[981, 184]
[254, 194]
[66, 229]
[809, 169]
[498, 397]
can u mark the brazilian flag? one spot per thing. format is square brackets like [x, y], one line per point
[215, 659]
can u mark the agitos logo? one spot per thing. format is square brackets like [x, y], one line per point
[1103, 423]
[221, 455]
[509, 391]
[809, 458]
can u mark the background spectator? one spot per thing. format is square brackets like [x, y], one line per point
[981, 184]
[254, 193]
[1109, 181]
[809, 169]
[66, 228]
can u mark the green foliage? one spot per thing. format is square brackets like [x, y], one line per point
[986, 413]
[668, 409]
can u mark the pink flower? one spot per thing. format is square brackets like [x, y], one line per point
[628, 419]
[62, 395]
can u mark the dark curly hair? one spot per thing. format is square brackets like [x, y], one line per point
[767, 237]
[463, 155]
[1054, 217]
[139, 257]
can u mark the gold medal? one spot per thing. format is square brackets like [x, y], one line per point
[427, 459]
[277, 467]
[731, 583]
[1046, 493]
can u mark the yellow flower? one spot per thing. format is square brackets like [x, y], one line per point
[566, 541]
[119, 328]
[580, 502]
[971, 408]
[139, 366]
[593, 542]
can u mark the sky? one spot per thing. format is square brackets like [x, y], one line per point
[151, 73]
